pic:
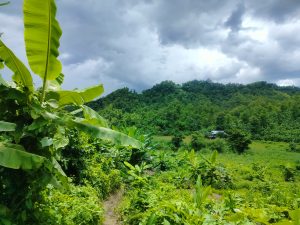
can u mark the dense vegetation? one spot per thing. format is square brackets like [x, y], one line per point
[266, 111]
[60, 160]
[36, 132]
[261, 187]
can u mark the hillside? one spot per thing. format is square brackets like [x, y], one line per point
[265, 110]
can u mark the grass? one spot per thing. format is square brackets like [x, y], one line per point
[260, 193]
[268, 153]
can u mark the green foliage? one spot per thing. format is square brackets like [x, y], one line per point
[15, 157]
[289, 173]
[198, 141]
[211, 173]
[21, 74]
[239, 140]
[79, 97]
[218, 144]
[266, 111]
[136, 174]
[35, 123]
[80, 205]
[293, 147]
[93, 162]
[42, 33]
[264, 199]
[5, 126]
[177, 141]
[201, 194]
[59, 159]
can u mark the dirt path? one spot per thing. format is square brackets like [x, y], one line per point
[110, 217]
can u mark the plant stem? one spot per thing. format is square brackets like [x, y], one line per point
[43, 90]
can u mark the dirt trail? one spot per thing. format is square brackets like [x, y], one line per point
[110, 217]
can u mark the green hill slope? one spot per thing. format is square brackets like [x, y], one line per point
[266, 110]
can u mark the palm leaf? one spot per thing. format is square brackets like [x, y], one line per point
[21, 74]
[15, 157]
[42, 33]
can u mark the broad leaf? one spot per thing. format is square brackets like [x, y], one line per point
[60, 138]
[129, 165]
[46, 141]
[80, 97]
[93, 118]
[3, 82]
[1, 64]
[6, 126]
[213, 158]
[42, 33]
[21, 74]
[108, 134]
[15, 157]
[55, 85]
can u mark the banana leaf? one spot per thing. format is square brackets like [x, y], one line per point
[42, 34]
[15, 157]
[21, 74]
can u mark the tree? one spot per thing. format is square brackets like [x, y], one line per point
[198, 141]
[177, 140]
[239, 140]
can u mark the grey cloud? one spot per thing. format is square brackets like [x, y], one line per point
[190, 22]
[275, 10]
[139, 43]
[236, 18]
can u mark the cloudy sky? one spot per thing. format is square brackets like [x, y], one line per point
[138, 43]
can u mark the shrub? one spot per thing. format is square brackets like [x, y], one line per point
[102, 177]
[198, 141]
[239, 140]
[289, 173]
[293, 147]
[83, 161]
[177, 141]
[80, 205]
[220, 145]
[211, 173]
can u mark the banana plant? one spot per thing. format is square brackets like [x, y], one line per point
[43, 110]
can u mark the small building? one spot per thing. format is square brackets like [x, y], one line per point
[216, 133]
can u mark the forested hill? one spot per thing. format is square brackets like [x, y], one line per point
[265, 110]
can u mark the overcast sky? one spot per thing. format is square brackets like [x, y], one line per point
[138, 43]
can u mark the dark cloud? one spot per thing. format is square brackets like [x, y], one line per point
[236, 18]
[190, 22]
[275, 10]
[139, 43]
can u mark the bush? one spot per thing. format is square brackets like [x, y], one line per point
[239, 140]
[293, 147]
[80, 205]
[102, 177]
[177, 141]
[83, 161]
[289, 173]
[220, 145]
[198, 141]
[210, 171]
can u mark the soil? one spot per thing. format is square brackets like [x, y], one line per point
[110, 216]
